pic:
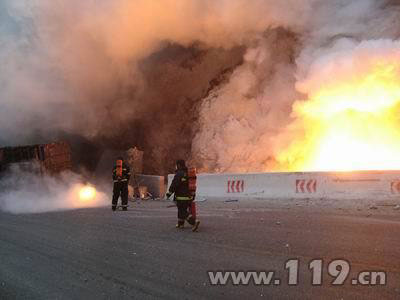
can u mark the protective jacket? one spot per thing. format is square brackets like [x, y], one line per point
[121, 175]
[124, 176]
[180, 185]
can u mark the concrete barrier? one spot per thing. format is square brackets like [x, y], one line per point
[318, 185]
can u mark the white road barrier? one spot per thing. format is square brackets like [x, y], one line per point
[317, 185]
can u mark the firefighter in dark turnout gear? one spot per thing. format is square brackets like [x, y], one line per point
[182, 196]
[121, 175]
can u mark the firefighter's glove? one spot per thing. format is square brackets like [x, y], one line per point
[168, 194]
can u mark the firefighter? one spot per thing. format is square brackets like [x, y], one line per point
[182, 196]
[121, 176]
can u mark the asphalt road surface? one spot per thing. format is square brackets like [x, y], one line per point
[100, 254]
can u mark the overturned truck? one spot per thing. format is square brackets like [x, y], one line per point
[50, 158]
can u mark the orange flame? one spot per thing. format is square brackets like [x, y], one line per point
[87, 194]
[353, 124]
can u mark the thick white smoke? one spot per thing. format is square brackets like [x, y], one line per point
[78, 66]
[239, 120]
[22, 191]
[67, 64]
[246, 124]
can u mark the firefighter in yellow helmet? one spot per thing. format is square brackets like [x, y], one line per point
[182, 196]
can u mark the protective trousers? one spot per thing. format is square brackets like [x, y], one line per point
[183, 213]
[120, 189]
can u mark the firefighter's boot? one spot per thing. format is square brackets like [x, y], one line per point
[180, 224]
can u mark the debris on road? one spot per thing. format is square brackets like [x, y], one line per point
[200, 200]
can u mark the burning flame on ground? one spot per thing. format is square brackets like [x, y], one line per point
[87, 193]
[349, 124]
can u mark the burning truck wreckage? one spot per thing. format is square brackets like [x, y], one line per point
[261, 103]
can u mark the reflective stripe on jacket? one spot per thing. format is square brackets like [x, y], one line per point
[183, 198]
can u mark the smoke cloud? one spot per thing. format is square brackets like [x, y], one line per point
[213, 81]
[254, 122]
[22, 191]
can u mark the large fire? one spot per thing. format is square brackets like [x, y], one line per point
[349, 124]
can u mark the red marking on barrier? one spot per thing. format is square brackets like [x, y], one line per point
[235, 186]
[395, 187]
[238, 186]
[306, 186]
